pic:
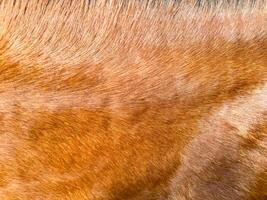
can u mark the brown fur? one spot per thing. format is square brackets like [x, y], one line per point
[114, 100]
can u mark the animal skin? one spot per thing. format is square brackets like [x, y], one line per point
[133, 100]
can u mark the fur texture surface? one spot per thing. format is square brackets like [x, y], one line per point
[133, 100]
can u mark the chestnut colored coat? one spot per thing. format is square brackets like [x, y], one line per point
[133, 100]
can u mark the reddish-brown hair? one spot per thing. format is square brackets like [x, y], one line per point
[140, 100]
